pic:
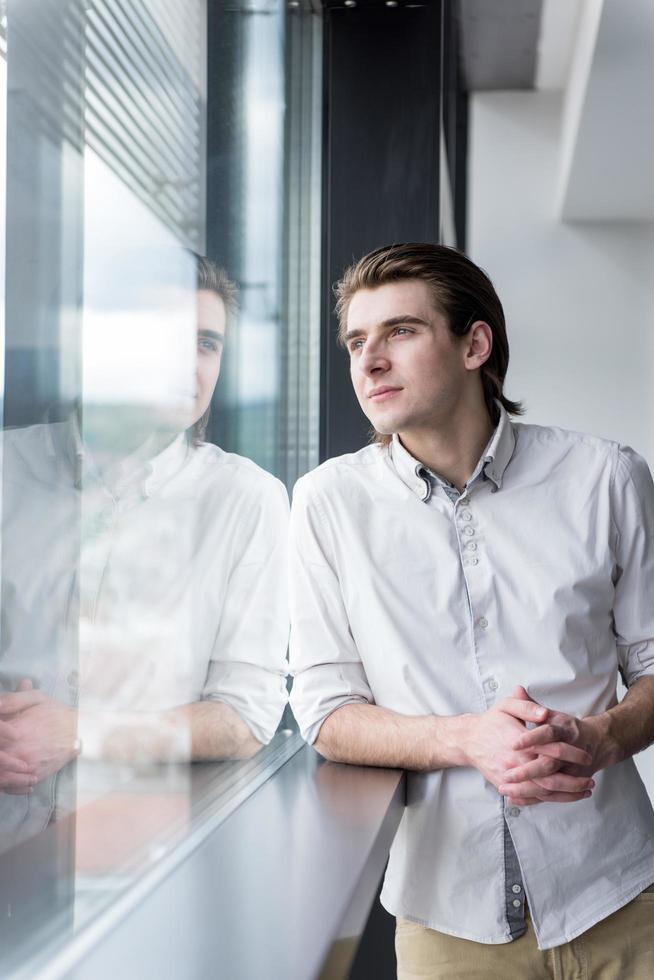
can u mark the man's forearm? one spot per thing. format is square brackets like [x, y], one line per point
[627, 728]
[217, 731]
[201, 730]
[365, 734]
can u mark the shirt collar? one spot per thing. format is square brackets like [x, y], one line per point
[164, 466]
[500, 449]
[409, 470]
[145, 474]
[492, 462]
[136, 472]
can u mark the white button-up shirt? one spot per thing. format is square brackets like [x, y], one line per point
[541, 573]
[167, 588]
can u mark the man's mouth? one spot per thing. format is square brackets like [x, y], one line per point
[382, 393]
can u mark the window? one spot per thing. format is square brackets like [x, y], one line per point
[160, 195]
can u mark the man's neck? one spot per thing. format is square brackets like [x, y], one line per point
[118, 453]
[452, 452]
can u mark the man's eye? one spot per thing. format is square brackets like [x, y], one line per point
[356, 345]
[208, 346]
[403, 330]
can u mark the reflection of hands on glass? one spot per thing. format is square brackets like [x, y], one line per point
[16, 775]
[38, 736]
[202, 731]
[37, 731]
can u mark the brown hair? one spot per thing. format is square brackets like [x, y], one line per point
[462, 292]
[211, 276]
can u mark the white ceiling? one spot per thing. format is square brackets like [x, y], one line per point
[600, 55]
[556, 43]
[607, 163]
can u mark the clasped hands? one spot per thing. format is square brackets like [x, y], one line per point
[37, 738]
[550, 763]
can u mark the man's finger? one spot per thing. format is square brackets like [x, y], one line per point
[550, 758]
[566, 753]
[561, 782]
[18, 790]
[547, 786]
[524, 710]
[566, 797]
[16, 782]
[523, 793]
[10, 704]
[574, 770]
[11, 763]
[7, 734]
[527, 789]
[542, 766]
[536, 737]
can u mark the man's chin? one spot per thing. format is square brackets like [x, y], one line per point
[384, 427]
[384, 430]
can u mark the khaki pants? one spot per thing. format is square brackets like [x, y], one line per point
[620, 947]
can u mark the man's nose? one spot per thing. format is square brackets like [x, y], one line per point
[373, 360]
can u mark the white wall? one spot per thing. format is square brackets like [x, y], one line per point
[578, 298]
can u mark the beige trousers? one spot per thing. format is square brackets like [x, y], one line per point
[620, 947]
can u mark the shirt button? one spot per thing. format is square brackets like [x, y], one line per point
[516, 889]
[513, 811]
[471, 545]
[466, 515]
[516, 903]
[469, 531]
[493, 685]
[472, 561]
[483, 623]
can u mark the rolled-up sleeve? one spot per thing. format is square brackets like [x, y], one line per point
[248, 667]
[325, 664]
[633, 606]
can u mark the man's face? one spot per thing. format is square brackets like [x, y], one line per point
[406, 366]
[211, 320]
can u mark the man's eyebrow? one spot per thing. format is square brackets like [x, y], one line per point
[393, 321]
[213, 334]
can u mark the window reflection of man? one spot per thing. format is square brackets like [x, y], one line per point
[182, 626]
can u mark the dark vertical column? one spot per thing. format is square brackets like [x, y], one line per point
[382, 72]
[455, 119]
[224, 192]
[387, 71]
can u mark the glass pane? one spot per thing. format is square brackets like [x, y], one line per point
[156, 379]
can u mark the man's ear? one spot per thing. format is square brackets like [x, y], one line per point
[479, 345]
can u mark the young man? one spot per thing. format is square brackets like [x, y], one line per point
[464, 593]
[145, 607]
